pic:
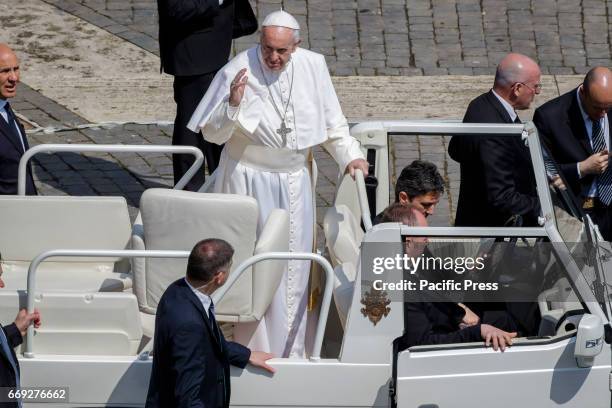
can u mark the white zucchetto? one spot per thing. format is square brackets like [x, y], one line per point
[281, 18]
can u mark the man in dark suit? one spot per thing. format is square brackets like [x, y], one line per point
[497, 180]
[13, 140]
[11, 336]
[576, 129]
[195, 40]
[190, 355]
[442, 322]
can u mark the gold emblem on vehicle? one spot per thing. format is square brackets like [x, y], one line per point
[376, 305]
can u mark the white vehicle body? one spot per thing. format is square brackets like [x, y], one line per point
[99, 345]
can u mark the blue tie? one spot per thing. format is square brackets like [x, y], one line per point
[213, 322]
[604, 180]
[6, 348]
[217, 333]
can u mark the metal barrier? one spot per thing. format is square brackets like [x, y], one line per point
[83, 148]
[362, 196]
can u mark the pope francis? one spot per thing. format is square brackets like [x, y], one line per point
[270, 105]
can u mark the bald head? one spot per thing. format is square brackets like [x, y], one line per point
[517, 80]
[9, 72]
[515, 68]
[277, 45]
[5, 49]
[596, 92]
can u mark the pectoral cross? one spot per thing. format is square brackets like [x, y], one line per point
[283, 130]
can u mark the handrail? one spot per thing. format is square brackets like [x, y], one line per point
[218, 295]
[362, 196]
[82, 148]
[327, 293]
[125, 253]
[426, 127]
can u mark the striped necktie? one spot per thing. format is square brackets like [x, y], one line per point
[604, 180]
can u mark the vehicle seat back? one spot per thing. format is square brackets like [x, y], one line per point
[32, 225]
[97, 323]
[343, 235]
[177, 220]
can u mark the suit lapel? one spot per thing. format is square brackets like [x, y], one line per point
[576, 122]
[11, 135]
[23, 133]
[196, 302]
[501, 111]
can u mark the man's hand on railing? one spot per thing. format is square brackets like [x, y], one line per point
[356, 164]
[24, 319]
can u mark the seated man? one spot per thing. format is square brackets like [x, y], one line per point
[444, 322]
[11, 336]
[190, 356]
[420, 185]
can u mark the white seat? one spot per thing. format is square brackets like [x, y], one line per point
[32, 225]
[98, 323]
[343, 236]
[177, 220]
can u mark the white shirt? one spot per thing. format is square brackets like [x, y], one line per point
[588, 124]
[506, 106]
[205, 299]
[4, 115]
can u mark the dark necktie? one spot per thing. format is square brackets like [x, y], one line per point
[12, 124]
[517, 120]
[213, 323]
[217, 333]
[604, 180]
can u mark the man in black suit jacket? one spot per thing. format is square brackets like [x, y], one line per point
[442, 321]
[566, 125]
[497, 180]
[195, 40]
[11, 336]
[13, 140]
[190, 355]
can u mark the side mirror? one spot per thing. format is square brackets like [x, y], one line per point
[589, 340]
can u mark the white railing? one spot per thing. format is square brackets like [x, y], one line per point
[218, 295]
[85, 148]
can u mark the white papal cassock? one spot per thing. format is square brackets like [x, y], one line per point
[260, 162]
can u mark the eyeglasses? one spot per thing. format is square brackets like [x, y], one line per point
[537, 88]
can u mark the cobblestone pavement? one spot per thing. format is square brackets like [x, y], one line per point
[364, 37]
[129, 175]
[408, 37]
[120, 174]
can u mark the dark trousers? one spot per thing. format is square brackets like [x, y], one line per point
[188, 91]
[602, 216]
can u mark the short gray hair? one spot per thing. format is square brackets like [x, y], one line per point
[509, 76]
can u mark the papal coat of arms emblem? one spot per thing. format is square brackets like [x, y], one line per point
[376, 305]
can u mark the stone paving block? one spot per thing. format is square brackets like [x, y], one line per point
[360, 23]
[386, 37]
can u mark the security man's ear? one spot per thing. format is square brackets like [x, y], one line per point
[403, 198]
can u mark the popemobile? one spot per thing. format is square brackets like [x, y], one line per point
[96, 278]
